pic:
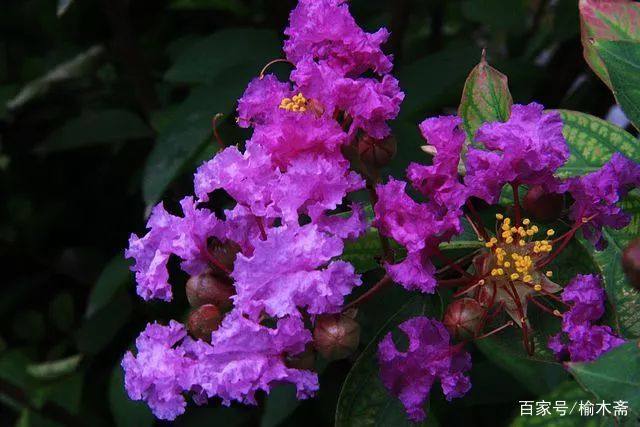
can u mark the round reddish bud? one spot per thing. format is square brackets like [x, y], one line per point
[204, 320]
[541, 205]
[463, 317]
[206, 288]
[376, 153]
[631, 262]
[225, 253]
[336, 336]
[305, 360]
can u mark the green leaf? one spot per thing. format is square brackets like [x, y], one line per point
[592, 141]
[622, 60]
[206, 59]
[126, 412]
[280, 403]
[364, 252]
[496, 16]
[364, 401]
[568, 392]
[55, 368]
[96, 128]
[61, 311]
[536, 373]
[65, 392]
[63, 6]
[234, 6]
[613, 376]
[115, 276]
[99, 329]
[188, 130]
[435, 80]
[607, 20]
[485, 98]
[624, 298]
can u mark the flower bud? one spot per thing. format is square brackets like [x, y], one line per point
[204, 320]
[305, 360]
[462, 318]
[336, 336]
[225, 252]
[631, 262]
[206, 288]
[376, 153]
[541, 205]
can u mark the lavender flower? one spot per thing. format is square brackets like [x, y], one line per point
[410, 375]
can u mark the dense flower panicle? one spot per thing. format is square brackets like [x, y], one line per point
[243, 357]
[580, 340]
[184, 236]
[410, 375]
[596, 196]
[292, 268]
[158, 373]
[526, 149]
[326, 31]
[440, 181]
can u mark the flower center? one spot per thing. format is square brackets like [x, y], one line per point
[296, 103]
[515, 253]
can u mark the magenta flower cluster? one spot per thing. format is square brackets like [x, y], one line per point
[288, 181]
[581, 340]
[289, 177]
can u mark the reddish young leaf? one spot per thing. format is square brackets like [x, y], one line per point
[485, 97]
[607, 20]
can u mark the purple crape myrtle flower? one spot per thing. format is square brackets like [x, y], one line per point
[330, 52]
[293, 268]
[310, 184]
[429, 357]
[286, 123]
[526, 149]
[243, 357]
[158, 373]
[580, 340]
[596, 196]
[326, 31]
[421, 227]
[184, 236]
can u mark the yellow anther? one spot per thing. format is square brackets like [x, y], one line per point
[506, 234]
[514, 276]
[499, 216]
[489, 244]
[297, 103]
[522, 242]
[530, 233]
[537, 287]
[526, 221]
[509, 239]
[534, 228]
[507, 221]
[551, 232]
[549, 273]
[500, 271]
[527, 278]
[507, 264]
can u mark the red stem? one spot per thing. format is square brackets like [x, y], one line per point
[543, 307]
[479, 225]
[214, 123]
[451, 264]
[495, 331]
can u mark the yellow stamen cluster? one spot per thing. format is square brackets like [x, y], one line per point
[512, 250]
[296, 103]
